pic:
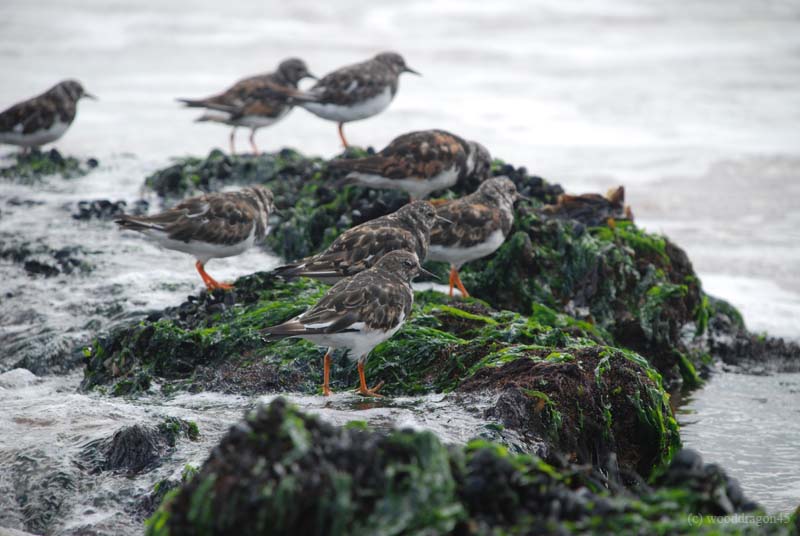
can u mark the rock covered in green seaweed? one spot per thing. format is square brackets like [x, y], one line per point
[282, 472]
[635, 286]
[314, 207]
[599, 399]
[32, 166]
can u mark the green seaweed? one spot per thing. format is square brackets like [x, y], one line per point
[34, 165]
[308, 477]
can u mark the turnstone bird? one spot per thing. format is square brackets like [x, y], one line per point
[359, 248]
[247, 104]
[592, 209]
[419, 163]
[354, 92]
[44, 118]
[358, 313]
[480, 223]
[209, 226]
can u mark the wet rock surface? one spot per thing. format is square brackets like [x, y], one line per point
[104, 209]
[136, 448]
[36, 164]
[282, 472]
[579, 255]
[593, 405]
[40, 489]
[39, 259]
[579, 326]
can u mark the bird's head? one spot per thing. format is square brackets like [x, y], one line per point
[479, 159]
[418, 214]
[499, 190]
[265, 198]
[294, 70]
[74, 90]
[403, 264]
[395, 62]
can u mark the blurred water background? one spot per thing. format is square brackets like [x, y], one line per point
[694, 106]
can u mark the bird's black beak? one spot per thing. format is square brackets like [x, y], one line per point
[311, 76]
[412, 71]
[524, 197]
[423, 271]
[89, 95]
[444, 220]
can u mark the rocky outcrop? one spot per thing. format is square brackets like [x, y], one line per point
[282, 472]
[36, 164]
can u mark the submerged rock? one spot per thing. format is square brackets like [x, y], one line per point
[579, 255]
[594, 405]
[36, 164]
[282, 472]
[136, 448]
[103, 209]
[463, 345]
[37, 258]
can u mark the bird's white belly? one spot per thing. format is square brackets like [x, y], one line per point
[202, 251]
[418, 188]
[458, 256]
[358, 343]
[35, 139]
[361, 110]
[259, 121]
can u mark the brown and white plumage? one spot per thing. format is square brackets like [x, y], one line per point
[248, 103]
[209, 226]
[479, 224]
[419, 163]
[353, 92]
[358, 312]
[44, 118]
[360, 247]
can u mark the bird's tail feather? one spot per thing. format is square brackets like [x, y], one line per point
[292, 328]
[216, 118]
[290, 271]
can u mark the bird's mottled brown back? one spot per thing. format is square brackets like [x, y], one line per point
[40, 112]
[423, 154]
[252, 96]
[355, 83]
[377, 298]
[474, 218]
[219, 218]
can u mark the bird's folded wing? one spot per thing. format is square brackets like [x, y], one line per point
[472, 223]
[24, 118]
[422, 155]
[223, 220]
[364, 298]
[360, 248]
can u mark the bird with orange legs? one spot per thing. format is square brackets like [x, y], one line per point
[209, 226]
[477, 225]
[357, 314]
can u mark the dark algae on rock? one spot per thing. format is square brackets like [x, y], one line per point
[445, 346]
[280, 471]
[579, 326]
[36, 164]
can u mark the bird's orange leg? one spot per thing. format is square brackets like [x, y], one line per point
[341, 135]
[232, 141]
[452, 279]
[253, 143]
[326, 373]
[362, 388]
[210, 282]
[459, 284]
